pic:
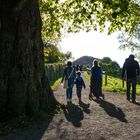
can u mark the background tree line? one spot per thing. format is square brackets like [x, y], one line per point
[52, 54]
[112, 68]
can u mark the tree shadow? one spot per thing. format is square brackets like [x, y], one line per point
[35, 132]
[74, 114]
[112, 110]
[85, 107]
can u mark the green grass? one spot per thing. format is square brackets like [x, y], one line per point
[113, 84]
[55, 84]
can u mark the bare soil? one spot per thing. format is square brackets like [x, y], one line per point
[111, 119]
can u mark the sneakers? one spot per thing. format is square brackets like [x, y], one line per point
[134, 101]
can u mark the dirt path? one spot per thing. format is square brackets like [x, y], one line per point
[111, 119]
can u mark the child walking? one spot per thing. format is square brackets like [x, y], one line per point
[79, 84]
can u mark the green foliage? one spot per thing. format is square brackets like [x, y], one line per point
[106, 60]
[113, 84]
[76, 15]
[53, 54]
[90, 14]
[111, 67]
[51, 19]
[131, 41]
[115, 68]
[55, 84]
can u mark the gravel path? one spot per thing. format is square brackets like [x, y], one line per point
[111, 119]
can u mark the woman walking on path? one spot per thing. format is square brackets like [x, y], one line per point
[79, 84]
[96, 80]
[69, 74]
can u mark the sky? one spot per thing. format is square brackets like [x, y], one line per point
[94, 44]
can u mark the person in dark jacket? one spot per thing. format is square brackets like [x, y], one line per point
[79, 84]
[96, 81]
[132, 70]
[69, 74]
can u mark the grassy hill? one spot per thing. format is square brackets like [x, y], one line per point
[113, 84]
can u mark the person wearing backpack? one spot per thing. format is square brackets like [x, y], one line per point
[69, 74]
[96, 81]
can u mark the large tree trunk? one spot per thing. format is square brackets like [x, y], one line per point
[23, 86]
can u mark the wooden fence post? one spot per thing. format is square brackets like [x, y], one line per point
[105, 78]
[123, 83]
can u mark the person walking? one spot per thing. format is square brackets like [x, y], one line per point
[69, 74]
[132, 70]
[96, 81]
[79, 84]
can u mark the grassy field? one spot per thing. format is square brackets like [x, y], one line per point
[113, 84]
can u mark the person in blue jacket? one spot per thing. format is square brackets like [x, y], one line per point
[96, 80]
[79, 84]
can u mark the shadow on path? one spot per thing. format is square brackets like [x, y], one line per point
[112, 110]
[85, 107]
[74, 114]
[34, 133]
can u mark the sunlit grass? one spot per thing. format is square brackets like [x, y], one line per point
[113, 84]
[55, 84]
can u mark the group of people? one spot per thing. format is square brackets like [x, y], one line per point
[130, 71]
[73, 77]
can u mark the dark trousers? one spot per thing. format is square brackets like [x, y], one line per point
[96, 87]
[78, 91]
[70, 88]
[131, 83]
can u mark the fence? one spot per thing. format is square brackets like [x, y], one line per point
[54, 71]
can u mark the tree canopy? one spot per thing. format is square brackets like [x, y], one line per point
[111, 67]
[53, 54]
[131, 42]
[76, 15]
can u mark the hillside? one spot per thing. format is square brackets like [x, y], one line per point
[84, 60]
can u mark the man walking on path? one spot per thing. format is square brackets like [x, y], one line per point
[131, 67]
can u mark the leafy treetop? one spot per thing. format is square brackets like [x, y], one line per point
[76, 15]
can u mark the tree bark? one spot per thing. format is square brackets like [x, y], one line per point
[24, 89]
